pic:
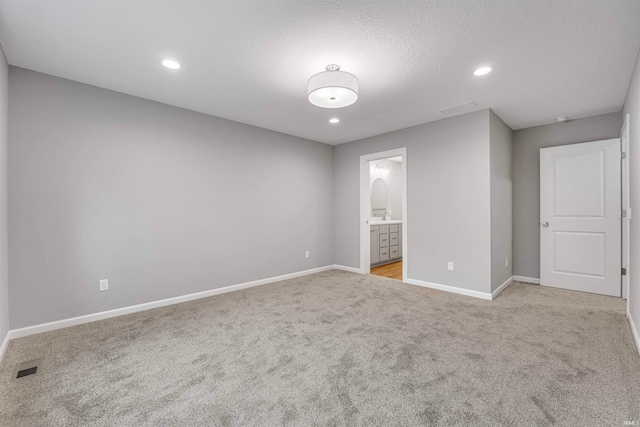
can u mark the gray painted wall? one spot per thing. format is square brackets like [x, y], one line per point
[632, 107]
[395, 189]
[159, 200]
[526, 179]
[4, 278]
[501, 137]
[448, 187]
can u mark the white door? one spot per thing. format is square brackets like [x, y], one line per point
[580, 217]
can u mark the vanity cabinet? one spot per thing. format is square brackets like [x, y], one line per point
[386, 243]
[375, 244]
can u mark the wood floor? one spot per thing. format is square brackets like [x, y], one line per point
[393, 271]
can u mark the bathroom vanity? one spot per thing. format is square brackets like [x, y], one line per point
[386, 242]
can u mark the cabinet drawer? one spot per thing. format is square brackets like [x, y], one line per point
[384, 254]
[384, 229]
[393, 228]
[393, 238]
[393, 252]
[384, 240]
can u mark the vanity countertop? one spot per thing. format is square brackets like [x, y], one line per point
[391, 221]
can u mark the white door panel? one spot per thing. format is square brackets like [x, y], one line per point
[580, 215]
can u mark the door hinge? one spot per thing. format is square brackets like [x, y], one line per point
[624, 155]
[624, 213]
[624, 271]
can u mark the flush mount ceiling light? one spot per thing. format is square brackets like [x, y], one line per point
[332, 88]
[169, 63]
[334, 120]
[482, 71]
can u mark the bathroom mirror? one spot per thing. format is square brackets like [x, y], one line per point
[378, 198]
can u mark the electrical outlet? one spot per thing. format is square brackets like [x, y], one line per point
[450, 266]
[104, 285]
[506, 262]
[306, 254]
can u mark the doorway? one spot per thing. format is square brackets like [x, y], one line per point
[383, 214]
[580, 217]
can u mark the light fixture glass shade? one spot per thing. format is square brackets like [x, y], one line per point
[332, 88]
[382, 170]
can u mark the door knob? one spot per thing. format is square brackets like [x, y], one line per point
[545, 224]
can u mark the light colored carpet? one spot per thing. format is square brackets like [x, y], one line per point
[337, 348]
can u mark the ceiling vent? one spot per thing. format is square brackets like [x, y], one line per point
[459, 108]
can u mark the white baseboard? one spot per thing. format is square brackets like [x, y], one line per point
[502, 287]
[526, 279]
[634, 330]
[452, 289]
[345, 268]
[59, 324]
[4, 345]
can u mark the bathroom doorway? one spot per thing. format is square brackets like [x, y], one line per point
[383, 203]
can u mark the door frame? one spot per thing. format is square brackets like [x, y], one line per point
[626, 205]
[365, 207]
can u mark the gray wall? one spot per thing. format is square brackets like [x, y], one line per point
[4, 279]
[632, 107]
[526, 179]
[159, 200]
[501, 137]
[395, 189]
[448, 216]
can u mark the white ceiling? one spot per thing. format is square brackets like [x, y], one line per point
[249, 61]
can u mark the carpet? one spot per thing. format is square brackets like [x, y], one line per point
[336, 349]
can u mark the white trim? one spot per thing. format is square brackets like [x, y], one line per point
[626, 205]
[526, 279]
[64, 323]
[502, 287]
[452, 289]
[365, 208]
[634, 331]
[5, 345]
[345, 268]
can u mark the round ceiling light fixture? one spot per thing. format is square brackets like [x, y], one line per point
[334, 121]
[332, 88]
[169, 63]
[482, 71]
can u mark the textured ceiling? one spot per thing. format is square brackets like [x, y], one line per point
[249, 61]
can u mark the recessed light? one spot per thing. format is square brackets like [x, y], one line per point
[482, 71]
[171, 64]
[334, 120]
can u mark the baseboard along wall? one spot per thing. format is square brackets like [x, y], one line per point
[526, 279]
[634, 331]
[4, 345]
[452, 289]
[502, 287]
[65, 323]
